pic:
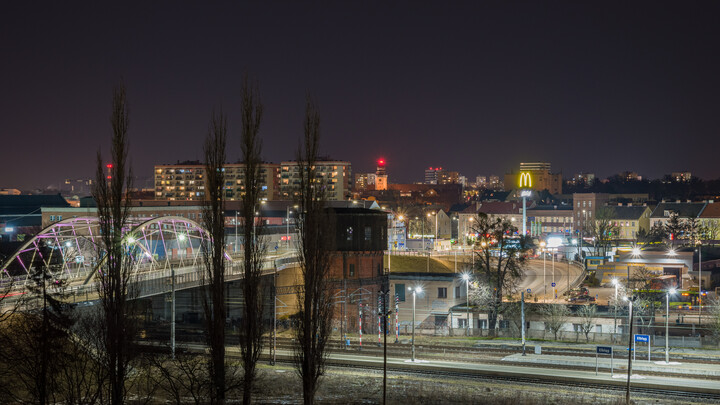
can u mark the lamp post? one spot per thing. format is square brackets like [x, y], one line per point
[553, 272]
[542, 245]
[287, 226]
[699, 284]
[615, 283]
[415, 291]
[466, 277]
[172, 316]
[667, 326]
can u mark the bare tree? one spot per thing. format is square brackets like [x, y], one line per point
[603, 230]
[555, 316]
[647, 299]
[113, 206]
[714, 323]
[182, 377]
[84, 375]
[315, 303]
[588, 315]
[500, 263]
[252, 327]
[214, 255]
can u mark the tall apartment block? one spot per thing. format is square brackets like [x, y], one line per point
[186, 181]
[335, 174]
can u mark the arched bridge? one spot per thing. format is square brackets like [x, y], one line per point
[71, 247]
[72, 251]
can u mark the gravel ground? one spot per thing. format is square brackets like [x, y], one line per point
[280, 385]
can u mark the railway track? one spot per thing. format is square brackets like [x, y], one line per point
[526, 380]
[570, 382]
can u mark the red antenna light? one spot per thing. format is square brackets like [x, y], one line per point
[109, 165]
[381, 162]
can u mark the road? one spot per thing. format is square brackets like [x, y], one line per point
[539, 278]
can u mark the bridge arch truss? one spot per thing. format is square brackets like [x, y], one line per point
[71, 248]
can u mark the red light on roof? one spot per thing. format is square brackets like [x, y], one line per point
[109, 165]
[381, 162]
[431, 168]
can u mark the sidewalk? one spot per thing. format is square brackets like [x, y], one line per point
[657, 364]
[658, 352]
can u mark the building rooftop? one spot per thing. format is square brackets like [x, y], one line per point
[627, 213]
[683, 209]
[712, 210]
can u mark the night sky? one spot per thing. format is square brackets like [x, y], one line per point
[475, 87]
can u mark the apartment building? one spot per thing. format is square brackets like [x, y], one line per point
[335, 174]
[186, 181]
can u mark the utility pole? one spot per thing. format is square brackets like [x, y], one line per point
[385, 314]
[630, 339]
[274, 345]
[172, 310]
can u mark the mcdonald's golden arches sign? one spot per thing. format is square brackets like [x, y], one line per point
[525, 180]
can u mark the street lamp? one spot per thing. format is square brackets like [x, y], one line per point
[667, 327]
[700, 292]
[415, 291]
[553, 274]
[287, 226]
[466, 277]
[615, 283]
[542, 245]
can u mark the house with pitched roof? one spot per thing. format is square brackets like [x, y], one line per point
[684, 211]
[710, 220]
[630, 219]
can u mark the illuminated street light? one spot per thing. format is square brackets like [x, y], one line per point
[636, 251]
[667, 328]
[671, 252]
[542, 246]
[415, 291]
[466, 277]
[615, 282]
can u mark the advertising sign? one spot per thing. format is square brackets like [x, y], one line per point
[525, 180]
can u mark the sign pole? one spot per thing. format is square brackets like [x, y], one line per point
[522, 316]
[596, 362]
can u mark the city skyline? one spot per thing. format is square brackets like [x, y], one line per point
[475, 88]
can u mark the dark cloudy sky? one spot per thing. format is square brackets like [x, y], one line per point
[471, 86]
